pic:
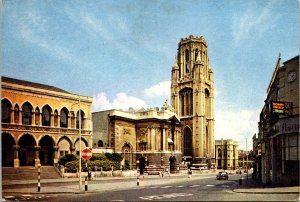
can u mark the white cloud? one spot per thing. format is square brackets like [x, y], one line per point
[121, 101]
[236, 125]
[252, 23]
[160, 90]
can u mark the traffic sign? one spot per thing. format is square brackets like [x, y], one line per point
[86, 153]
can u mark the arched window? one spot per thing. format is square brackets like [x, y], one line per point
[196, 54]
[37, 116]
[27, 114]
[72, 120]
[207, 103]
[187, 59]
[81, 119]
[64, 118]
[5, 107]
[16, 114]
[186, 100]
[46, 116]
[100, 143]
[55, 118]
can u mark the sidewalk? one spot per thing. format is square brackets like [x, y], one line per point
[251, 186]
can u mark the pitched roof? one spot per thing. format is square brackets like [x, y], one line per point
[32, 84]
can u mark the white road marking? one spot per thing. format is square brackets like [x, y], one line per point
[165, 187]
[210, 185]
[179, 186]
[164, 196]
[7, 197]
[26, 195]
[195, 185]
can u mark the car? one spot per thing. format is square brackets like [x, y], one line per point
[231, 172]
[222, 176]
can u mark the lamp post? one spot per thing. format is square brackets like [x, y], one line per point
[79, 114]
[80, 182]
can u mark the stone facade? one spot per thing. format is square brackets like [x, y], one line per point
[40, 123]
[192, 96]
[277, 144]
[226, 154]
[151, 134]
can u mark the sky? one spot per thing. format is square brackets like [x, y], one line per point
[121, 52]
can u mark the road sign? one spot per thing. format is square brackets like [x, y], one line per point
[86, 153]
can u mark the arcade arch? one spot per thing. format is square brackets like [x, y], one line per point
[27, 145]
[7, 149]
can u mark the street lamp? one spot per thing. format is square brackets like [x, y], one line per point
[80, 182]
[79, 113]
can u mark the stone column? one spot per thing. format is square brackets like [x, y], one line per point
[51, 120]
[149, 139]
[36, 155]
[55, 154]
[153, 139]
[20, 117]
[69, 121]
[16, 156]
[32, 117]
[58, 121]
[164, 139]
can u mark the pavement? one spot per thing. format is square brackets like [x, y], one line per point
[101, 184]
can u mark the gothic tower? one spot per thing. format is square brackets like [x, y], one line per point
[192, 96]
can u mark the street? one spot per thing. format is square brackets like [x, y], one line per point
[181, 188]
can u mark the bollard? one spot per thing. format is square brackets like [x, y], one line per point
[190, 173]
[101, 171]
[39, 178]
[240, 181]
[138, 178]
[85, 184]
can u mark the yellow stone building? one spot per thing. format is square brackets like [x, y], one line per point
[227, 154]
[192, 96]
[40, 123]
[152, 135]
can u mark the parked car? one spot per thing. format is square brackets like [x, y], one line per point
[231, 172]
[222, 176]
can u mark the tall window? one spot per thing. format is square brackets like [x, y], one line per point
[64, 118]
[27, 114]
[187, 59]
[5, 107]
[46, 116]
[207, 103]
[37, 116]
[196, 54]
[186, 96]
[72, 120]
[55, 118]
[16, 114]
[81, 119]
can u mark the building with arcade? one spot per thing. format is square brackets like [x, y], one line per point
[40, 123]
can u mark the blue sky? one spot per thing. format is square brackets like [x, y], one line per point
[121, 52]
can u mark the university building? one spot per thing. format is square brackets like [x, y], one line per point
[182, 131]
[277, 150]
[151, 136]
[40, 123]
[192, 96]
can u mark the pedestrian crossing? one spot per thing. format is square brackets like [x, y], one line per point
[185, 186]
[28, 197]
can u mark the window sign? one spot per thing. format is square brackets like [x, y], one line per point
[278, 107]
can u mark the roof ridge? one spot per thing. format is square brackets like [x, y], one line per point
[32, 84]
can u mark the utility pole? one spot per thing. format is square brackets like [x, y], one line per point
[247, 158]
